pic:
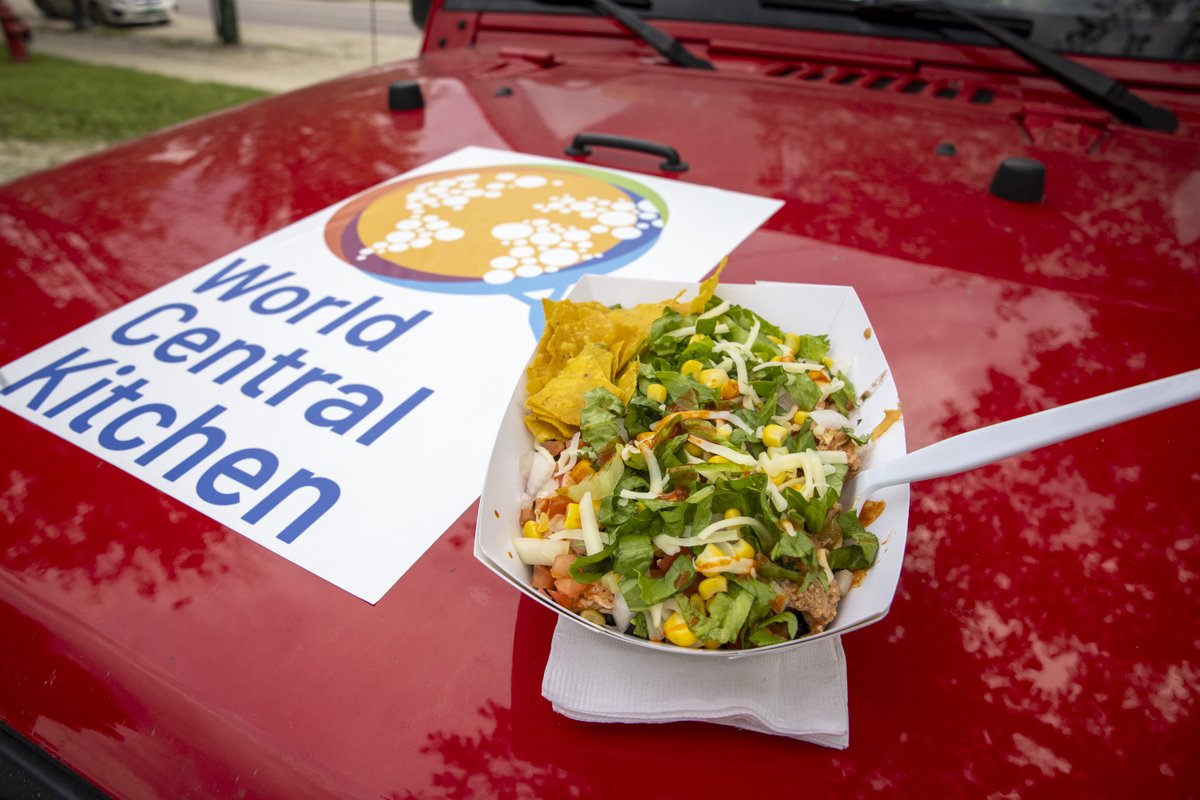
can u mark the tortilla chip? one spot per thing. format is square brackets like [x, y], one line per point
[543, 430]
[627, 383]
[588, 345]
[561, 399]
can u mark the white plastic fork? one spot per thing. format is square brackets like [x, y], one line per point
[977, 448]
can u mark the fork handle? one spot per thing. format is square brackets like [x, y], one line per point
[976, 448]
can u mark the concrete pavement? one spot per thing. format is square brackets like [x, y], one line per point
[273, 57]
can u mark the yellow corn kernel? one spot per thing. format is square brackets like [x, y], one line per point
[691, 367]
[593, 616]
[714, 378]
[779, 478]
[719, 460]
[730, 390]
[730, 513]
[743, 549]
[657, 392]
[543, 522]
[774, 435]
[799, 416]
[792, 342]
[697, 338]
[711, 586]
[693, 450]
[677, 631]
[712, 644]
[530, 530]
[573, 517]
[827, 361]
[724, 430]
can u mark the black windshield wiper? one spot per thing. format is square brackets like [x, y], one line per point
[664, 43]
[1109, 94]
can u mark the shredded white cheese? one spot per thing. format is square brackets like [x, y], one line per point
[734, 456]
[690, 330]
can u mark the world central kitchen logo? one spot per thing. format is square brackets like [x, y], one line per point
[526, 231]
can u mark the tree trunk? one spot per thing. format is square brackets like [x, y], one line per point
[226, 22]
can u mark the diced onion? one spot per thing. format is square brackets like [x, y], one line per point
[587, 523]
[829, 418]
[540, 470]
[621, 613]
[656, 481]
[541, 552]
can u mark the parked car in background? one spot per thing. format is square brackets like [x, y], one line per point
[114, 12]
[1042, 642]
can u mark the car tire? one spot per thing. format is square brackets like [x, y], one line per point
[419, 9]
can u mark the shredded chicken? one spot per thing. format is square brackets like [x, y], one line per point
[596, 597]
[816, 603]
[838, 440]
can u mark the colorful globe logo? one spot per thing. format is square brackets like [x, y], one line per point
[519, 230]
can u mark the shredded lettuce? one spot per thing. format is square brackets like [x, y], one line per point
[859, 546]
[599, 421]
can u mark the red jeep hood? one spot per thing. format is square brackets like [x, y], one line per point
[1043, 627]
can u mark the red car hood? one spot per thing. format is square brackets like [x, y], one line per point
[1041, 638]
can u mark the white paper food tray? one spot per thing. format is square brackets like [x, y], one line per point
[800, 308]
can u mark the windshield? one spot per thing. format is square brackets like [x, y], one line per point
[1148, 29]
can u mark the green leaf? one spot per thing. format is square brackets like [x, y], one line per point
[685, 390]
[798, 546]
[813, 511]
[761, 636]
[642, 591]
[812, 348]
[599, 421]
[634, 554]
[859, 546]
[803, 390]
[589, 569]
[773, 571]
[845, 397]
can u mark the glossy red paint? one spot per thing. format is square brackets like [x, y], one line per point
[1043, 640]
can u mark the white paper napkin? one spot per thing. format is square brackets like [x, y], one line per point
[799, 693]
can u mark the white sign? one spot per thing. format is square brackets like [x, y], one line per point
[332, 391]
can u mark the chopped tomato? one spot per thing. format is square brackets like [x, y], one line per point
[569, 587]
[561, 563]
[552, 506]
[542, 578]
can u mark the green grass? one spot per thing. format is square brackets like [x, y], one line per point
[55, 100]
